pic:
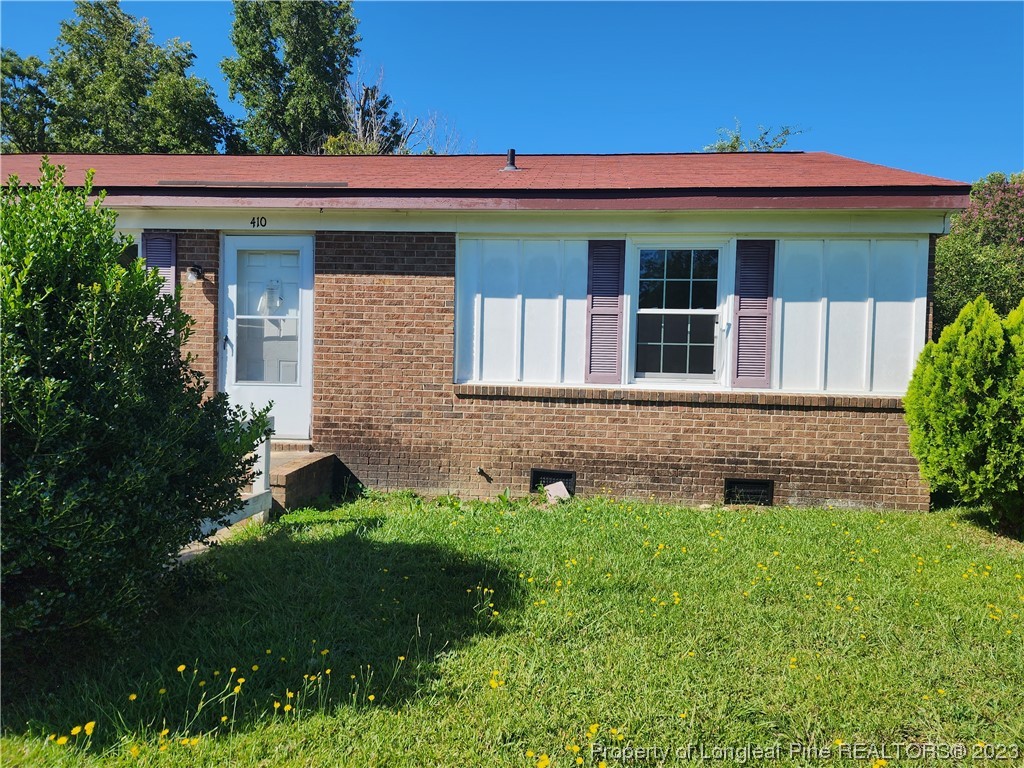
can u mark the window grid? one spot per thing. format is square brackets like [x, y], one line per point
[677, 312]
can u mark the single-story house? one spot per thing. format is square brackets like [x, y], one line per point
[693, 327]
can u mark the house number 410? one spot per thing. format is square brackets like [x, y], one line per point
[258, 222]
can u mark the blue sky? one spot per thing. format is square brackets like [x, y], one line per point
[936, 88]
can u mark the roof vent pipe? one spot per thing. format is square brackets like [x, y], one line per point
[510, 164]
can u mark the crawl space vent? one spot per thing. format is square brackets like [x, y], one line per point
[543, 477]
[759, 492]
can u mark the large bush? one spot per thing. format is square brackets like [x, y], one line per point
[965, 409]
[111, 455]
[984, 250]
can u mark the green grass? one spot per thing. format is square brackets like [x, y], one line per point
[495, 634]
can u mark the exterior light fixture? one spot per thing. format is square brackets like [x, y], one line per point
[195, 272]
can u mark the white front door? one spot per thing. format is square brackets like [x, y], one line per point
[267, 342]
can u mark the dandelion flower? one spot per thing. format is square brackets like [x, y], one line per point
[241, 680]
[132, 696]
[371, 697]
[134, 751]
[181, 667]
[401, 658]
[287, 707]
[223, 718]
[277, 705]
[193, 741]
[164, 732]
[76, 730]
[62, 740]
[255, 667]
[89, 727]
[162, 691]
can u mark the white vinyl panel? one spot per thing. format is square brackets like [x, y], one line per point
[895, 264]
[574, 287]
[467, 288]
[499, 311]
[847, 264]
[540, 283]
[800, 275]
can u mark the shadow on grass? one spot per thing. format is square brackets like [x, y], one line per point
[279, 611]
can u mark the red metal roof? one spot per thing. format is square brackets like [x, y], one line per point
[563, 173]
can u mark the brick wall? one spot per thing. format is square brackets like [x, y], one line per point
[384, 402]
[200, 299]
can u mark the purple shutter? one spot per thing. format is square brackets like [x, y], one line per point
[605, 276]
[755, 280]
[160, 252]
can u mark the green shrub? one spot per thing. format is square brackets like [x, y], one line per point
[112, 456]
[984, 250]
[965, 409]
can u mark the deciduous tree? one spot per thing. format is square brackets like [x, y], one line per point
[109, 88]
[292, 63]
[767, 139]
[984, 250]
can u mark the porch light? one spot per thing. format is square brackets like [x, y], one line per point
[195, 272]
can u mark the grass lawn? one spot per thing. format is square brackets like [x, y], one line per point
[395, 631]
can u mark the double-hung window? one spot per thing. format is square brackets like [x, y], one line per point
[677, 313]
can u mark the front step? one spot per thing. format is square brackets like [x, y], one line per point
[298, 478]
[290, 446]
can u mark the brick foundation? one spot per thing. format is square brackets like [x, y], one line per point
[384, 402]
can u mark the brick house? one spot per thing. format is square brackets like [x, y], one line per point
[656, 324]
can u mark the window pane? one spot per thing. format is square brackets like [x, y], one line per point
[675, 358]
[651, 294]
[648, 329]
[702, 359]
[702, 329]
[677, 294]
[705, 294]
[678, 265]
[705, 265]
[652, 265]
[268, 351]
[675, 328]
[648, 358]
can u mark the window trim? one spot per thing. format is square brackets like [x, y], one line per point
[726, 278]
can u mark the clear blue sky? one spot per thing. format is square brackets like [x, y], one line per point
[936, 88]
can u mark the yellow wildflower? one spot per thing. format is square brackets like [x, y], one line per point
[89, 727]
[76, 730]
[62, 740]
[181, 667]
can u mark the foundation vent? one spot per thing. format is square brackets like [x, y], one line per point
[759, 492]
[542, 477]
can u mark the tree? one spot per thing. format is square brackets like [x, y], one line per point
[374, 129]
[766, 140]
[25, 107]
[109, 88]
[112, 455]
[984, 250]
[965, 410]
[290, 72]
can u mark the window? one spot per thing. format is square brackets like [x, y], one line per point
[677, 313]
